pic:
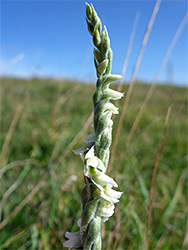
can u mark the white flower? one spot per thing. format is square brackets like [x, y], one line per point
[74, 240]
[111, 107]
[79, 221]
[94, 169]
[112, 94]
[105, 210]
[110, 195]
[103, 179]
[90, 153]
[95, 162]
[83, 149]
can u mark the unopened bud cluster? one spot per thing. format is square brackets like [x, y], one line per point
[97, 197]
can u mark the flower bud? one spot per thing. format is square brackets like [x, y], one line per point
[109, 56]
[96, 37]
[102, 66]
[112, 94]
[88, 11]
[110, 78]
[97, 55]
[105, 41]
[90, 27]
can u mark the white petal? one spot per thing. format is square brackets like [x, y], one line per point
[101, 165]
[96, 163]
[90, 138]
[74, 240]
[106, 204]
[90, 153]
[111, 107]
[112, 94]
[83, 149]
[79, 222]
[104, 179]
[93, 161]
[106, 211]
[79, 151]
[72, 243]
[104, 219]
[108, 198]
[113, 193]
[72, 235]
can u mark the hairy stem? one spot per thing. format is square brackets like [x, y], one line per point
[97, 197]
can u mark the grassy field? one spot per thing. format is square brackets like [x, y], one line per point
[42, 121]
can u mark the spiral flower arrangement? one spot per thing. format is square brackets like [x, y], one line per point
[98, 196]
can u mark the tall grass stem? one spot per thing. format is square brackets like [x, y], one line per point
[154, 83]
[131, 85]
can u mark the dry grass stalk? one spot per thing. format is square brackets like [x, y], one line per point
[161, 240]
[141, 134]
[185, 241]
[117, 230]
[10, 133]
[24, 202]
[62, 99]
[143, 45]
[162, 144]
[129, 50]
[85, 61]
[154, 83]
[15, 164]
[10, 190]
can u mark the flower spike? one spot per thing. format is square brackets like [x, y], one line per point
[97, 197]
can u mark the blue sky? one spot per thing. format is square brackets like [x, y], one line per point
[50, 38]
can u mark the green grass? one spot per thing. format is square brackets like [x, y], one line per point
[52, 113]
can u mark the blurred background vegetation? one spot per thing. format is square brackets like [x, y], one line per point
[43, 120]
